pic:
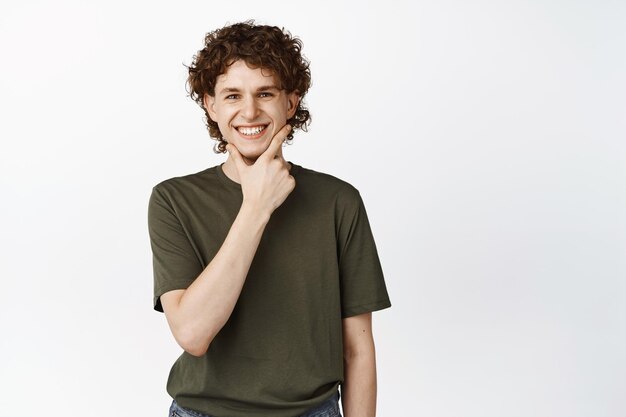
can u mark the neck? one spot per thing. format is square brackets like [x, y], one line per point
[230, 169]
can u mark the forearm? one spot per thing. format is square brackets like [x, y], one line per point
[358, 392]
[198, 313]
[208, 302]
[359, 358]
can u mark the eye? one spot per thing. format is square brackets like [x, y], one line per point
[265, 94]
[231, 97]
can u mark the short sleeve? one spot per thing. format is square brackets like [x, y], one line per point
[175, 263]
[363, 288]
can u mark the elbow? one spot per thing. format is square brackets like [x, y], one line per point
[192, 344]
[196, 351]
[359, 352]
[356, 356]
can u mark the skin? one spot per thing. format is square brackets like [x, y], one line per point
[358, 392]
[247, 96]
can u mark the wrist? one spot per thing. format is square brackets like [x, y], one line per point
[255, 213]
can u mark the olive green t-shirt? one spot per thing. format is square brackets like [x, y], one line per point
[280, 353]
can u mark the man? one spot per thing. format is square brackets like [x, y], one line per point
[267, 271]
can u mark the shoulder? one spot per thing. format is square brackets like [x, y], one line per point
[186, 184]
[325, 184]
[327, 192]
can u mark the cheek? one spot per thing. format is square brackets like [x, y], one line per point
[283, 112]
[226, 117]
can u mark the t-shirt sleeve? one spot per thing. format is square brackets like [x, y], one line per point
[175, 263]
[363, 288]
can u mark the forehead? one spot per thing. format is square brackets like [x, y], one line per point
[240, 74]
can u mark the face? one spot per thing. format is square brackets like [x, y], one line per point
[249, 108]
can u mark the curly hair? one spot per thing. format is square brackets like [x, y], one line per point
[260, 46]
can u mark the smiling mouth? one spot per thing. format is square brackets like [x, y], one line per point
[251, 130]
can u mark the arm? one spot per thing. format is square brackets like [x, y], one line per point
[359, 388]
[195, 315]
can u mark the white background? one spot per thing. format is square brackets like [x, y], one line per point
[488, 142]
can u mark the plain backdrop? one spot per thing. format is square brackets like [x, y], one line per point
[487, 138]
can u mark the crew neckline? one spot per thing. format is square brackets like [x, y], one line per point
[233, 184]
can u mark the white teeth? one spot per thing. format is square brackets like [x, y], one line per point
[249, 131]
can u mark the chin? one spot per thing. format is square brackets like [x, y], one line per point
[255, 153]
[251, 156]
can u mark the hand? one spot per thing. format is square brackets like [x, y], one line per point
[266, 183]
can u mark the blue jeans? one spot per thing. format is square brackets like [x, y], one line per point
[329, 408]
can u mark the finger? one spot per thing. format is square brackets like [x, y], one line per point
[237, 158]
[280, 156]
[279, 152]
[275, 147]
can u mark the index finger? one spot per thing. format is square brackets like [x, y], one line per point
[277, 141]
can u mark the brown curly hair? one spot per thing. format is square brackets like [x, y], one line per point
[260, 46]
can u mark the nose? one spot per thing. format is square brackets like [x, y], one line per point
[250, 108]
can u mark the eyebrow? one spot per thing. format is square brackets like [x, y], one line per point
[237, 90]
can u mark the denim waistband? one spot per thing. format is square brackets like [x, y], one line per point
[329, 408]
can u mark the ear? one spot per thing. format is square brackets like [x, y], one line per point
[293, 99]
[209, 106]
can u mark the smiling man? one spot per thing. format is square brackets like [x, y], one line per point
[249, 108]
[267, 271]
